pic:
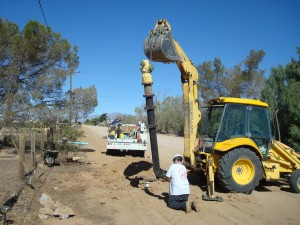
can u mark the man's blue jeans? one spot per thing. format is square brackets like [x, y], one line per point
[178, 201]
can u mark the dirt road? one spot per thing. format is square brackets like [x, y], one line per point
[103, 191]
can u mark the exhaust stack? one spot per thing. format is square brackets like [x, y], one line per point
[146, 70]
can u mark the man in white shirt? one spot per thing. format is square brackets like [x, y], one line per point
[179, 189]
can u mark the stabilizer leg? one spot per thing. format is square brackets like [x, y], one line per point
[210, 176]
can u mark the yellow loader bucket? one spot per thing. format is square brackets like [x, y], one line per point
[159, 46]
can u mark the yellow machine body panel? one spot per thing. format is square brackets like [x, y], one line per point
[286, 157]
[227, 145]
[281, 159]
[271, 170]
[245, 101]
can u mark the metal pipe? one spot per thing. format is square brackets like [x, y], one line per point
[147, 82]
[4, 209]
[276, 115]
[282, 162]
[285, 152]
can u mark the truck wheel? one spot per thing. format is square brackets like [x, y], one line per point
[109, 152]
[295, 181]
[49, 161]
[142, 154]
[139, 153]
[239, 170]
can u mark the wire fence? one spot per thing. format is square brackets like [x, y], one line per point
[19, 155]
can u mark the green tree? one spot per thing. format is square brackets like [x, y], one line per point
[235, 81]
[51, 117]
[84, 102]
[282, 92]
[171, 116]
[253, 77]
[212, 79]
[98, 120]
[34, 64]
[244, 80]
[103, 118]
[140, 113]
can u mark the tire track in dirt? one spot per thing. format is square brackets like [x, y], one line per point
[105, 192]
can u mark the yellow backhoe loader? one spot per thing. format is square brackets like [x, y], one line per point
[236, 143]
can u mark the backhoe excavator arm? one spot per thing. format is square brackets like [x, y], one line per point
[160, 46]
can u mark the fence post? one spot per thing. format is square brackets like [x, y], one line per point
[42, 140]
[21, 156]
[33, 159]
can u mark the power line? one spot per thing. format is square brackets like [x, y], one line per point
[105, 96]
[115, 79]
[43, 13]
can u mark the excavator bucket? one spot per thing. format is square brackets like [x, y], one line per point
[159, 46]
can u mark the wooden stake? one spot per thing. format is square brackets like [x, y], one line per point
[21, 156]
[42, 140]
[33, 159]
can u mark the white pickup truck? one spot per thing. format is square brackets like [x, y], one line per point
[131, 138]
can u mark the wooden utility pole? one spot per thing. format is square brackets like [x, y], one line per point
[21, 156]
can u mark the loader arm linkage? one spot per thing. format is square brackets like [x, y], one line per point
[160, 46]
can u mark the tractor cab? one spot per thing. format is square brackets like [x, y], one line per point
[230, 119]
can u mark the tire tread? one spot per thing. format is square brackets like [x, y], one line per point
[227, 181]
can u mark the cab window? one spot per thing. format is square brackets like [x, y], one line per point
[259, 128]
[234, 122]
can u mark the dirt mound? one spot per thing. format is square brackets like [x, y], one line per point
[117, 174]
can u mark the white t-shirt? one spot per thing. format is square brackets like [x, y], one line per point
[179, 184]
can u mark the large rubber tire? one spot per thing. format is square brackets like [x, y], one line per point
[295, 181]
[239, 170]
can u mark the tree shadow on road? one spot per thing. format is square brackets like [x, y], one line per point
[282, 184]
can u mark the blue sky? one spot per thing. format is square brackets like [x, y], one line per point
[110, 36]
